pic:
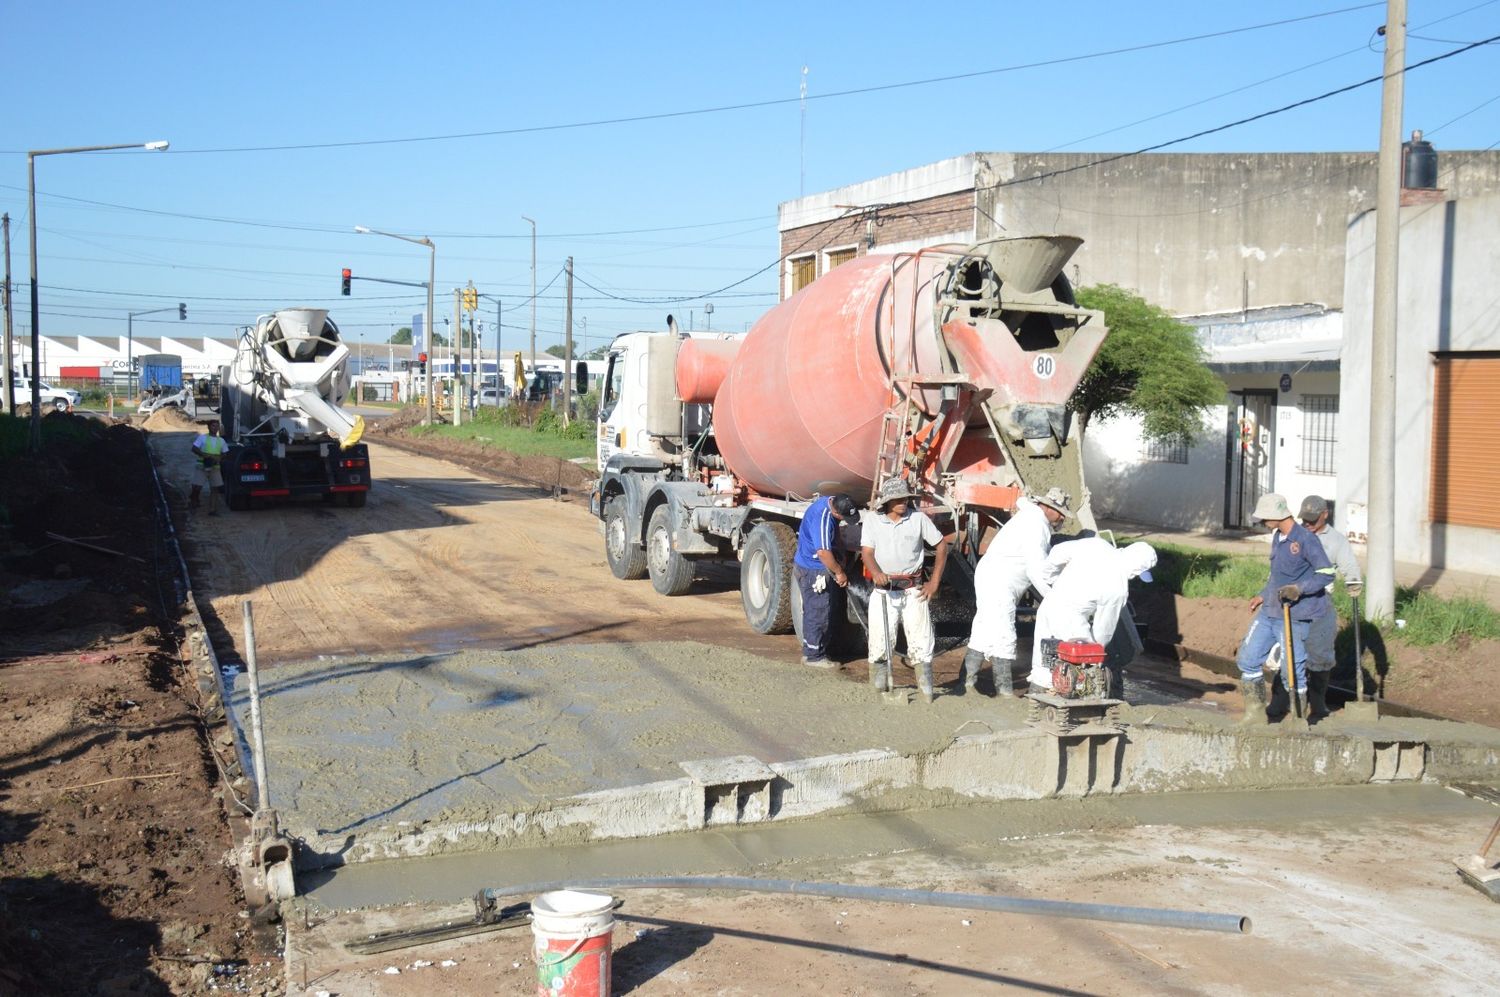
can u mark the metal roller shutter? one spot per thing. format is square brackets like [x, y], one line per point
[1466, 440]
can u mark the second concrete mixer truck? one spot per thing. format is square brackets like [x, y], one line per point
[281, 408]
[950, 367]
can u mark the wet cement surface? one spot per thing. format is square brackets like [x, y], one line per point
[821, 846]
[474, 732]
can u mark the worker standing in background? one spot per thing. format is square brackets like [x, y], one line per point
[209, 447]
[1090, 583]
[893, 546]
[815, 566]
[1300, 575]
[1323, 631]
[1016, 559]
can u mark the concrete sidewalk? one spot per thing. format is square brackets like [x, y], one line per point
[1440, 581]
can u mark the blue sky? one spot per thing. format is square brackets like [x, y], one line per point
[676, 206]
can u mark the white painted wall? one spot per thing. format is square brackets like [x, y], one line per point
[1448, 301]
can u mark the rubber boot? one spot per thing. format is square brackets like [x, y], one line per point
[924, 679]
[1004, 684]
[880, 675]
[1280, 704]
[1254, 693]
[973, 662]
[1317, 696]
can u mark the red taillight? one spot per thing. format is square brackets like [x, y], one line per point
[253, 465]
[353, 462]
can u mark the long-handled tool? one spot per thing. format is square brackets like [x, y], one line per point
[1478, 871]
[1359, 657]
[1291, 669]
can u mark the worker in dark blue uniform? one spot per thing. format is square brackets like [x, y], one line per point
[1300, 575]
[815, 566]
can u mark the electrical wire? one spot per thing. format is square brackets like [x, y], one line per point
[777, 102]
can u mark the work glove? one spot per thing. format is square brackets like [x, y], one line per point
[1355, 590]
[1289, 593]
[820, 583]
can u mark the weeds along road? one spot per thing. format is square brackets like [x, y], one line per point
[437, 558]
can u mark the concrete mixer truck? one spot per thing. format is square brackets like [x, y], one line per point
[280, 410]
[950, 367]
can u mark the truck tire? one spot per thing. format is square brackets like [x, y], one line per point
[356, 500]
[671, 573]
[766, 578]
[626, 560]
[60, 404]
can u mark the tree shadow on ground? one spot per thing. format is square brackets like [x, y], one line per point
[58, 937]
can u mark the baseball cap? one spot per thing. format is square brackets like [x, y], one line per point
[1312, 507]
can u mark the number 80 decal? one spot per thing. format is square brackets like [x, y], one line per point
[1044, 366]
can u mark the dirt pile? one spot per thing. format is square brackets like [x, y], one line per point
[110, 834]
[411, 415]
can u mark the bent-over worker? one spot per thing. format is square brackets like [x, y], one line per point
[815, 566]
[893, 546]
[209, 447]
[1089, 590]
[1016, 559]
[1322, 632]
[1300, 575]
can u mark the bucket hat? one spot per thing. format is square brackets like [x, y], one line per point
[1055, 498]
[1271, 508]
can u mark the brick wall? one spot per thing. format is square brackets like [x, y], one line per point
[899, 223]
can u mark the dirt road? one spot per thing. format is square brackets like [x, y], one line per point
[439, 558]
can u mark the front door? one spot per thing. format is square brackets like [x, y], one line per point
[1251, 453]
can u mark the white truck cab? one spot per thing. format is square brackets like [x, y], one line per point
[62, 399]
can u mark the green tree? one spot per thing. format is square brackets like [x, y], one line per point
[1150, 366]
[402, 336]
[557, 351]
[597, 353]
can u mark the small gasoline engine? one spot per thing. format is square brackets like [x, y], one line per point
[1077, 668]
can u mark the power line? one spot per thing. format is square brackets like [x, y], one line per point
[751, 105]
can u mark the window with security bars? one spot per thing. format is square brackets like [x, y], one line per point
[804, 269]
[1320, 432]
[1164, 451]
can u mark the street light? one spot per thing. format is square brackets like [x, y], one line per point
[36, 334]
[533, 288]
[431, 276]
[130, 318]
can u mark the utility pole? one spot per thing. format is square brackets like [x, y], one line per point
[532, 357]
[568, 353]
[9, 396]
[453, 354]
[1380, 580]
[497, 351]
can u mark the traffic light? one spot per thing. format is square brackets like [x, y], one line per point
[421, 363]
[470, 299]
[348, 276]
[181, 311]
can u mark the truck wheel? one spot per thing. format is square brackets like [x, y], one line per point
[356, 500]
[626, 560]
[766, 578]
[237, 502]
[60, 404]
[671, 573]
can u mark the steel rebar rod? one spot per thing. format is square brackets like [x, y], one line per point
[1232, 923]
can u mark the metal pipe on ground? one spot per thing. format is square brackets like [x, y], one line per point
[1231, 923]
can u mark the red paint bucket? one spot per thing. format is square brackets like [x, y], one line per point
[573, 936]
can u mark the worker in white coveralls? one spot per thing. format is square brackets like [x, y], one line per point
[894, 543]
[1016, 560]
[1322, 631]
[1090, 583]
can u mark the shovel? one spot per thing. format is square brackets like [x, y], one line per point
[1291, 670]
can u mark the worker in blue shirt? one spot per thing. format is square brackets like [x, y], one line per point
[817, 564]
[1300, 575]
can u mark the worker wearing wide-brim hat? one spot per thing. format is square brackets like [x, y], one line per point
[1300, 576]
[1015, 561]
[894, 543]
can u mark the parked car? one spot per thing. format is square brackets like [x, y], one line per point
[494, 396]
[62, 399]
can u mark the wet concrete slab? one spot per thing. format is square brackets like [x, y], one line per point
[1346, 886]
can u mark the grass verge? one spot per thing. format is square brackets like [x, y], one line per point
[515, 439]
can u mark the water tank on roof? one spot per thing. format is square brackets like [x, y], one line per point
[1419, 163]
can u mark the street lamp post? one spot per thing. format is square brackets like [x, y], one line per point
[36, 334]
[130, 318]
[431, 276]
[532, 358]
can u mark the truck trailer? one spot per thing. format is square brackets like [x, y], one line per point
[950, 367]
[280, 410]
